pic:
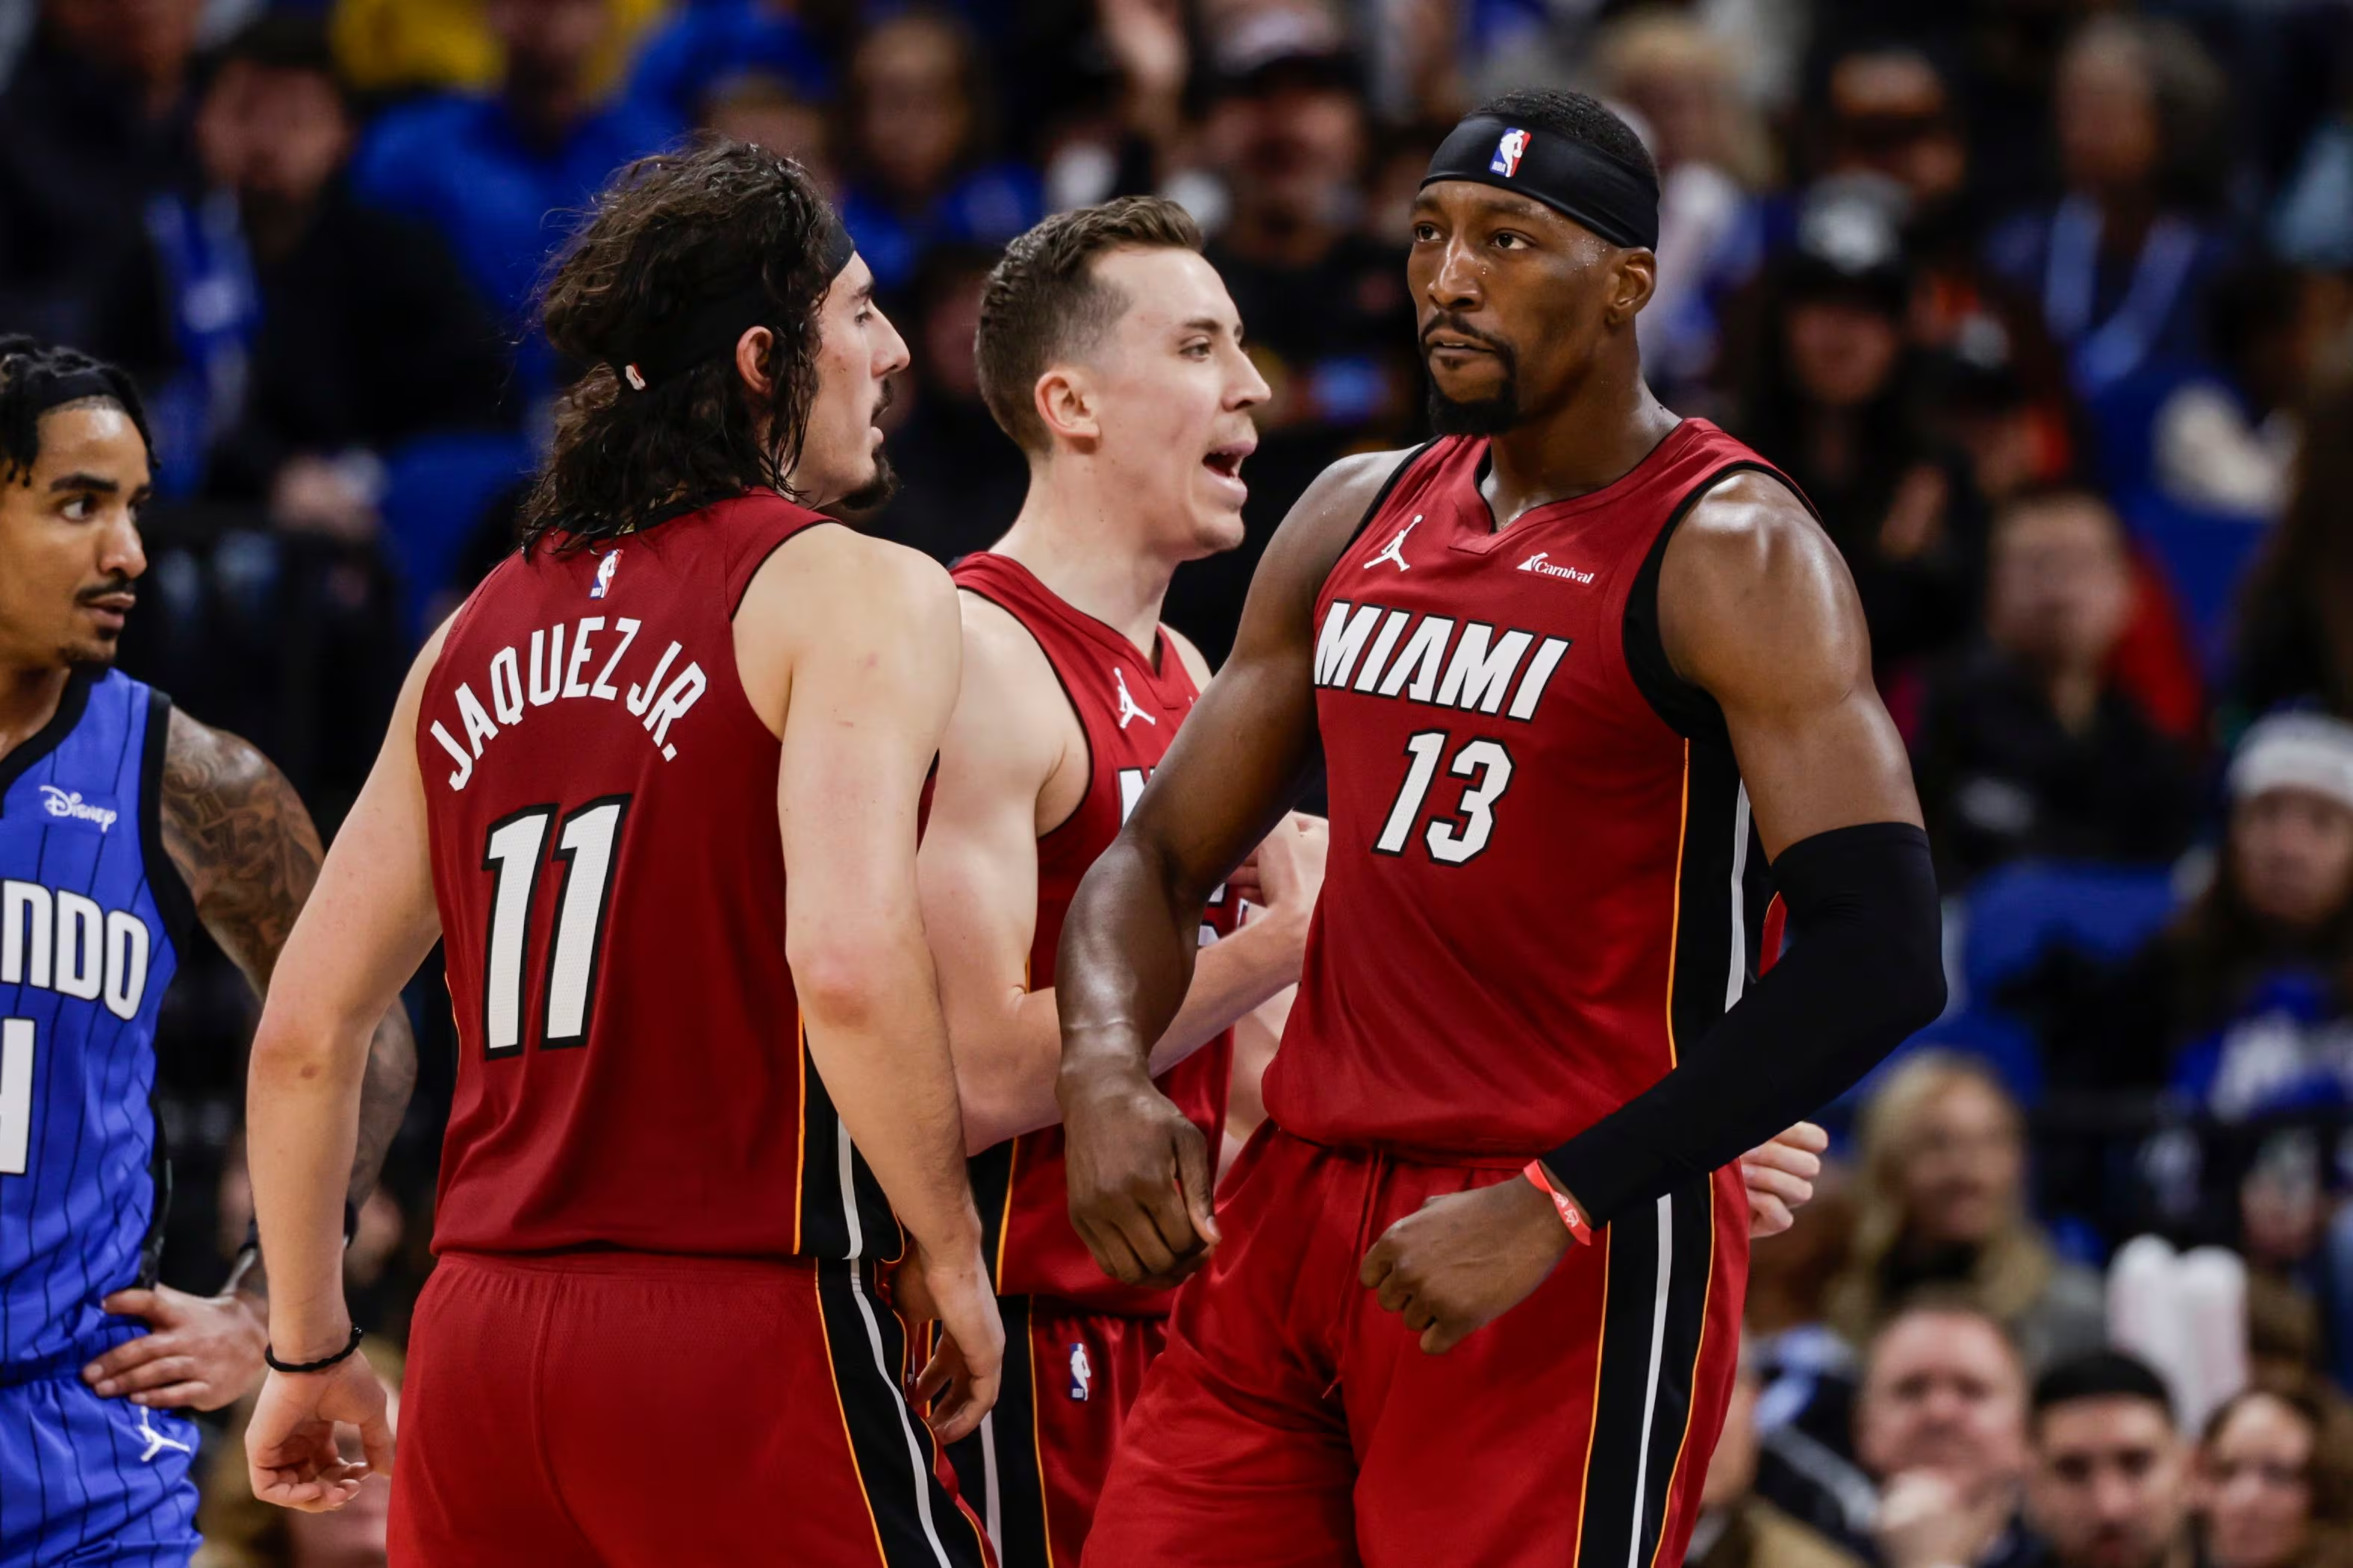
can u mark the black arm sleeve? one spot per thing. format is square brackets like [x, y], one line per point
[1864, 970]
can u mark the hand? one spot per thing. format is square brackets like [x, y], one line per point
[200, 1352]
[1781, 1177]
[1465, 1260]
[1924, 1522]
[289, 1449]
[960, 1381]
[1142, 1187]
[1289, 865]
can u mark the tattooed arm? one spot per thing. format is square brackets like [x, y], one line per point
[240, 839]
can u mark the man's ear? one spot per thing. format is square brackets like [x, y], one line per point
[1066, 404]
[752, 358]
[1635, 280]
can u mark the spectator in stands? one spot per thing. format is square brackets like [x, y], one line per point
[961, 478]
[93, 124]
[1739, 1529]
[919, 152]
[2108, 1484]
[1682, 81]
[1829, 392]
[2295, 616]
[297, 334]
[1329, 322]
[1941, 1429]
[2275, 1481]
[2027, 747]
[700, 49]
[1942, 1193]
[2122, 263]
[766, 111]
[2243, 1004]
[497, 174]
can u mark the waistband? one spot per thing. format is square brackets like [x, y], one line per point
[41, 1369]
[1438, 1159]
[619, 1263]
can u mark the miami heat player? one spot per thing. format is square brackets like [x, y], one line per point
[655, 785]
[1110, 353]
[1587, 681]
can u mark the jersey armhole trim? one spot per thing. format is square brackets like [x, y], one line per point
[736, 605]
[1381, 497]
[174, 901]
[1086, 736]
[1684, 707]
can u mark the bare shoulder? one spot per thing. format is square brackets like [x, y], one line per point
[1010, 697]
[838, 573]
[1197, 664]
[1754, 595]
[238, 835]
[1335, 503]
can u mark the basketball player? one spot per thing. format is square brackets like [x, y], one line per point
[1110, 353]
[1585, 680]
[655, 787]
[123, 824]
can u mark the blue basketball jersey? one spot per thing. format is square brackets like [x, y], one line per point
[89, 910]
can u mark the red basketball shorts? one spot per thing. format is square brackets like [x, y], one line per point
[1292, 1421]
[622, 1410]
[1037, 1465]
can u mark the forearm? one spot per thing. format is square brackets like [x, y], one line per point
[1006, 1083]
[1865, 971]
[383, 1099]
[1129, 945]
[877, 1036]
[302, 1109]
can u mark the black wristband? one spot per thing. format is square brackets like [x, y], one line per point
[270, 1356]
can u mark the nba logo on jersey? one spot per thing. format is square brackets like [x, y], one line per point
[605, 570]
[1509, 147]
[1082, 1372]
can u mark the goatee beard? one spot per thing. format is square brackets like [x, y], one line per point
[1487, 416]
[874, 494]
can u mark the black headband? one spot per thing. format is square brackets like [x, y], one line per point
[56, 391]
[1618, 203]
[713, 324]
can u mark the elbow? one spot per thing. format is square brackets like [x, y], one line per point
[847, 976]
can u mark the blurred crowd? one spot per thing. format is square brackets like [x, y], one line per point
[2047, 304]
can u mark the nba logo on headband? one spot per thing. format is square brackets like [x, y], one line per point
[1508, 149]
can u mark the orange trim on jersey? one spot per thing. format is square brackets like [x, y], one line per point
[1675, 921]
[1005, 1219]
[1691, 1383]
[848, 1444]
[1593, 1428]
[1037, 1444]
[800, 1133]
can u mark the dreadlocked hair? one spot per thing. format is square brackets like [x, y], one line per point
[30, 371]
[670, 230]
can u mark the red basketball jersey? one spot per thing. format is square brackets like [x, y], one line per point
[1129, 707]
[1543, 875]
[602, 801]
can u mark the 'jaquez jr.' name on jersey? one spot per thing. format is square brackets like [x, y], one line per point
[1365, 647]
[554, 670]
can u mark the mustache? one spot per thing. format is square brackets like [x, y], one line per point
[889, 395]
[119, 584]
[1447, 322]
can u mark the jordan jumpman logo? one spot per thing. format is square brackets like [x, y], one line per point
[1127, 706]
[156, 1441]
[1395, 553]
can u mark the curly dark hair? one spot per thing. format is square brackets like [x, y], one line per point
[670, 231]
[30, 371]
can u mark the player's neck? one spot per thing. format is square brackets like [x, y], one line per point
[28, 701]
[1085, 551]
[1595, 438]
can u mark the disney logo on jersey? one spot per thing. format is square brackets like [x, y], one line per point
[1539, 564]
[554, 677]
[69, 803]
[1466, 665]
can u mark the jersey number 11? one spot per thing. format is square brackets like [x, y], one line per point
[584, 846]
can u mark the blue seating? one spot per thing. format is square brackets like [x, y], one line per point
[438, 489]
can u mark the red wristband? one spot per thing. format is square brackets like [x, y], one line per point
[1561, 1201]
